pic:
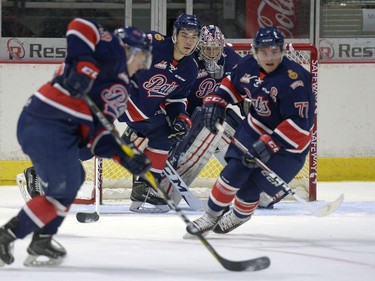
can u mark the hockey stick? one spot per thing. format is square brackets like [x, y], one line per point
[183, 190]
[249, 265]
[94, 217]
[277, 181]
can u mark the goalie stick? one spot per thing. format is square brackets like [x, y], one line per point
[84, 217]
[277, 181]
[255, 264]
[183, 190]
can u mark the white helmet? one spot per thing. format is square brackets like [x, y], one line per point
[210, 47]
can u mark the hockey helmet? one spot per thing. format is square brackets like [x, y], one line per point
[186, 21]
[136, 41]
[268, 37]
[210, 47]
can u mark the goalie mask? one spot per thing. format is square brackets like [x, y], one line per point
[210, 47]
[135, 41]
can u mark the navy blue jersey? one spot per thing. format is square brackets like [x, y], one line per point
[283, 104]
[110, 90]
[206, 84]
[165, 86]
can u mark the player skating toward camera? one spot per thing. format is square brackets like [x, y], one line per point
[158, 111]
[277, 129]
[56, 126]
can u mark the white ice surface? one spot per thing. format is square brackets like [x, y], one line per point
[127, 246]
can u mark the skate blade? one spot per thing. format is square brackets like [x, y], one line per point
[189, 236]
[42, 261]
[146, 208]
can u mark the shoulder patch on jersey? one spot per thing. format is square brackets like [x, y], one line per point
[159, 37]
[245, 78]
[298, 83]
[292, 75]
[161, 65]
[202, 73]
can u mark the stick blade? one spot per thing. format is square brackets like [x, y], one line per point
[330, 207]
[87, 217]
[256, 264]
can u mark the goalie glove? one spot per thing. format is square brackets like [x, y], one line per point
[180, 127]
[81, 76]
[262, 149]
[138, 165]
[213, 111]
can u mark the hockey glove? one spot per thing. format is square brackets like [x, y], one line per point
[262, 149]
[81, 77]
[180, 127]
[137, 165]
[213, 111]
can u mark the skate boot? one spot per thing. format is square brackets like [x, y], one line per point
[44, 251]
[6, 242]
[203, 225]
[145, 199]
[229, 222]
[32, 182]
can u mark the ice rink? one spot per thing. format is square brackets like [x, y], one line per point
[126, 246]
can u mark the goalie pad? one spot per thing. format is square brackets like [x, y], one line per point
[191, 155]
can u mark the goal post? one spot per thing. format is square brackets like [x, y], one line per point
[115, 182]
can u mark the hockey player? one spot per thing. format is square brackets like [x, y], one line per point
[277, 129]
[215, 61]
[158, 111]
[56, 124]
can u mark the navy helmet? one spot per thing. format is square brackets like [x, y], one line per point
[133, 37]
[268, 37]
[135, 41]
[186, 21]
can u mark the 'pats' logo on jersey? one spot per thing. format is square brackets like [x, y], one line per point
[114, 99]
[207, 86]
[261, 106]
[157, 86]
[292, 75]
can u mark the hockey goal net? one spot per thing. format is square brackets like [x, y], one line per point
[117, 182]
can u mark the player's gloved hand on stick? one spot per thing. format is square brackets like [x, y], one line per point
[81, 77]
[180, 127]
[213, 111]
[137, 165]
[262, 149]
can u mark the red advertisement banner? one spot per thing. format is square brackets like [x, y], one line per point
[265, 13]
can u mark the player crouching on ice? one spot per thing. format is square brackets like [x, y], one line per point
[56, 124]
[277, 130]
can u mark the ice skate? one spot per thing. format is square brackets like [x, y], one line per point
[6, 242]
[146, 200]
[229, 222]
[44, 251]
[203, 225]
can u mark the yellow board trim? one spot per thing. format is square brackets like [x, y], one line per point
[329, 169]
